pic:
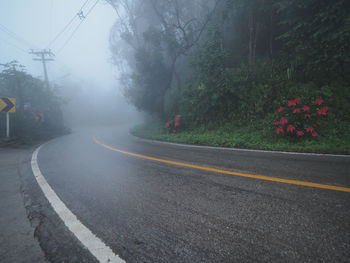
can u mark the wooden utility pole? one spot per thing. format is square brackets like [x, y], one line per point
[42, 57]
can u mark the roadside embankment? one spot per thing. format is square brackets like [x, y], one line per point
[244, 137]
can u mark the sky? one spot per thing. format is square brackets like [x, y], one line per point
[82, 66]
[37, 22]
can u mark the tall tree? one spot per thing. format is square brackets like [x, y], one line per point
[317, 37]
[170, 28]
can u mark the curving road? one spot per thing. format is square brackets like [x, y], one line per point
[148, 210]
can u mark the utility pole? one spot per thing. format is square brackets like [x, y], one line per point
[42, 57]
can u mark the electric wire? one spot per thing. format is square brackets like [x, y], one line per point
[13, 45]
[50, 19]
[70, 37]
[15, 36]
[75, 30]
[61, 32]
[66, 26]
[81, 8]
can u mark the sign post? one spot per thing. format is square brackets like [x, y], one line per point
[7, 124]
[7, 105]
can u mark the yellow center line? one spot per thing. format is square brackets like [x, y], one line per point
[260, 177]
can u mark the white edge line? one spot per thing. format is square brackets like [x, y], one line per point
[97, 248]
[237, 149]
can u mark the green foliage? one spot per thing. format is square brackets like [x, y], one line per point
[159, 35]
[249, 58]
[211, 95]
[316, 35]
[149, 81]
[246, 137]
[38, 113]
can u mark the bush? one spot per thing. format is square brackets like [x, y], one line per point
[299, 120]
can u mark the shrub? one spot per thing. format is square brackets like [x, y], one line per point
[173, 126]
[299, 119]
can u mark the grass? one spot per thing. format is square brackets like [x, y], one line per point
[245, 137]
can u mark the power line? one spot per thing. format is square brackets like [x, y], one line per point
[15, 36]
[75, 30]
[66, 26]
[84, 4]
[70, 37]
[50, 19]
[62, 31]
[13, 45]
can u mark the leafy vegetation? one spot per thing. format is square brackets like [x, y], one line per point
[38, 114]
[247, 137]
[227, 65]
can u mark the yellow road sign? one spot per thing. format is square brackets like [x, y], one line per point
[7, 104]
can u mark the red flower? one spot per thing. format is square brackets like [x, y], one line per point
[277, 123]
[317, 123]
[167, 124]
[176, 124]
[283, 121]
[323, 111]
[307, 116]
[292, 103]
[296, 111]
[318, 102]
[290, 128]
[279, 129]
[177, 117]
[174, 131]
[300, 133]
[309, 129]
[297, 99]
[314, 134]
[280, 109]
[306, 108]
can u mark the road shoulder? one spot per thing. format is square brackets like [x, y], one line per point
[17, 241]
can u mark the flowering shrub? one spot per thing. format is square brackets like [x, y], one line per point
[300, 120]
[173, 127]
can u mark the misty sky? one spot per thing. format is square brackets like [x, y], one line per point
[82, 68]
[39, 21]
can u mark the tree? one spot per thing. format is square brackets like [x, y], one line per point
[33, 99]
[171, 28]
[316, 35]
[230, 59]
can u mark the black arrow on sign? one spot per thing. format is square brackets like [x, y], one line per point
[9, 106]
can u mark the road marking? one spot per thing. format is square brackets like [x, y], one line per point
[100, 250]
[260, 177]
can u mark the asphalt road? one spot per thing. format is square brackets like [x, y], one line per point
[150, 211]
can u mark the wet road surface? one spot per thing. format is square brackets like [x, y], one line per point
[147, 211]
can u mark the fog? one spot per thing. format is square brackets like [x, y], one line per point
[81, 74]
[87, 103]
